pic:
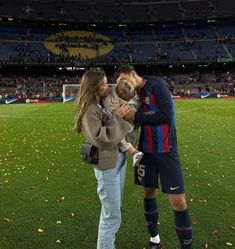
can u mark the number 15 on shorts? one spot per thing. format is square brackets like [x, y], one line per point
[141, 170]
[139, 173]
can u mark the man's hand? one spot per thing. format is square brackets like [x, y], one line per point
[130, 115]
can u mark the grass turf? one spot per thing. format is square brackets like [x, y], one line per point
[48, 196]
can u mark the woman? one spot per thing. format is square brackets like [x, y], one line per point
[105, 131]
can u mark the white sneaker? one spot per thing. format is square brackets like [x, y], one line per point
[137, 157]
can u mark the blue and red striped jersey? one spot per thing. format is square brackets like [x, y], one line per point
[156, 117]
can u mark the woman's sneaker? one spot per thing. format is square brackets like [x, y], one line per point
[137, 157]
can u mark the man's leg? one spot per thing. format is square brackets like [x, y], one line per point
[183, 225]
[151, 214]
[172, 182]
[146, 173]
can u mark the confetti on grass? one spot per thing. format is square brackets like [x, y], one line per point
[42, 218]
[215, 232]
[9, 220]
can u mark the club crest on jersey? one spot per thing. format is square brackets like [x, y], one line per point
[147, 100]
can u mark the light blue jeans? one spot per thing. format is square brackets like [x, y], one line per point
[110, 190]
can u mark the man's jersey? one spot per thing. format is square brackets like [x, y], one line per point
[156, 117]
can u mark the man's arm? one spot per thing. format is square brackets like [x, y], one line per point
[164, 103]
[163, 116]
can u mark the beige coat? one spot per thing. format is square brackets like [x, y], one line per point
[112, 102]
[104, 132]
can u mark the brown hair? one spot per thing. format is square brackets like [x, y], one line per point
[89, 85]
[122, 69]
[125, 90]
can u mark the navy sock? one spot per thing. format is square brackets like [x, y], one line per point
[151, 215]
[183, 229]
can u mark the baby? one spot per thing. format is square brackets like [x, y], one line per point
[125, 92]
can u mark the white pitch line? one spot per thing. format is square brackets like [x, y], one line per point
[44, 113]
[189, 110]
[31, 117]
[205, 108]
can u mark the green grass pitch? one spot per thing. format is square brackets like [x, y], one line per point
[48, 196]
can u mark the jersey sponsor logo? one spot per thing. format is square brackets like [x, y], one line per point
[149, 112]
[147, 100]
[9, 101]
[174, 188]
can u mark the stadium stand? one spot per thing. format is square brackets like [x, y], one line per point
[169, 33]
[181, 44]
[51, 86]
[112, 11]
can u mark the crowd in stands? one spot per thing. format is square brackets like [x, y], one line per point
[196, 82]
[121, 11]
[34, 86]
[135, 46]
[51, 86]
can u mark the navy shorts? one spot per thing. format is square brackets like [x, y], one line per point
[167, 166]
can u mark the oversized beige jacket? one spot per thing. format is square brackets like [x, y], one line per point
[105, 132]
[112, 102]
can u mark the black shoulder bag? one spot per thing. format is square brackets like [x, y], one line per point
[89, 153]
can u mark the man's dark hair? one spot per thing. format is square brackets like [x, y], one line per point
[122, 69]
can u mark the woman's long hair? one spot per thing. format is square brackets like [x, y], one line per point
[89, 85]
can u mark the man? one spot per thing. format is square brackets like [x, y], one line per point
[158, 142]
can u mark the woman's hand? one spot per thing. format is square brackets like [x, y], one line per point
[122, 110]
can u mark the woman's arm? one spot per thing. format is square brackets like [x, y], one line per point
[106, 135]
